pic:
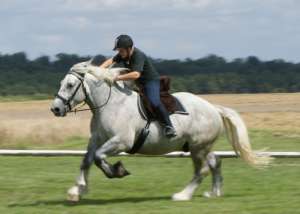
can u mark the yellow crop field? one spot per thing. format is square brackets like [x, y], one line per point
[32, 120]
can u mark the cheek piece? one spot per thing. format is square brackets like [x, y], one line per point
[67, 101]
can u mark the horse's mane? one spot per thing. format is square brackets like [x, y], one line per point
[88, 67]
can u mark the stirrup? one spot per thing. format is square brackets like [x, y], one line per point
[169, 132]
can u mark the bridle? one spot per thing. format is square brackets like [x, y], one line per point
[67, 101]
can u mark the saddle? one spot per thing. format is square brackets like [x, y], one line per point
[171, 103]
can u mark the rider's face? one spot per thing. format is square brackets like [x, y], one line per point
[124, 53]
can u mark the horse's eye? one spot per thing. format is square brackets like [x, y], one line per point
[69, 85]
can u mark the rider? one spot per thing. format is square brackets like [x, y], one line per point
[146, 76]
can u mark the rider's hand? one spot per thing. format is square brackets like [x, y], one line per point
[110, 79]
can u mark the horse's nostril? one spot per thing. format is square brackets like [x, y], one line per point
[55, 110]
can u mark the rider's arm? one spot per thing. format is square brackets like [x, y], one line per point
[137, 69]
[133, 75]
[107, 63]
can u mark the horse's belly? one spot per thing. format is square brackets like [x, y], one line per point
[160, 149]
[158, 145]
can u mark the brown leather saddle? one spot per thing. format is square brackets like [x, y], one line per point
[171, 103]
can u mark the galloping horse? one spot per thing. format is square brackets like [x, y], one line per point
[116, 122]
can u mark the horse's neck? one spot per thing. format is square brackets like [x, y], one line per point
[112, 97]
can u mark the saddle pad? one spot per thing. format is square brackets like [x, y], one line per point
[172, 104]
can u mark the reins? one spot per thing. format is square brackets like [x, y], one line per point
[94, 108]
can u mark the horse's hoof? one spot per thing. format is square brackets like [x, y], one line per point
[73, 194]
[181, 197]
[207, 194]
[120, 170]
[212, 194]
[73, 198]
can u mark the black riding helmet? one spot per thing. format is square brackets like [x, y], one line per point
[123, 41]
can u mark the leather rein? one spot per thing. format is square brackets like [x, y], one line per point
[67, 102]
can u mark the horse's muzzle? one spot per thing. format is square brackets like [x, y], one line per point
[58, 109]
[57, 112]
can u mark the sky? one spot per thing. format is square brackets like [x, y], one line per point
[169, 29]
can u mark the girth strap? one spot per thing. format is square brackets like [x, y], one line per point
[140, 139]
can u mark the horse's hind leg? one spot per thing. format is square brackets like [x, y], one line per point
[198, 157]
[214, 164]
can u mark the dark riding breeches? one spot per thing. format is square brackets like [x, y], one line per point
[152, 92]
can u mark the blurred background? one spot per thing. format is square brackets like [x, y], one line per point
[240, 54]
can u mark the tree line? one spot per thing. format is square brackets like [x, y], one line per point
[211, 74]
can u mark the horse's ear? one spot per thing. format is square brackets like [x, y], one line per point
[80, 71]
[80, 68]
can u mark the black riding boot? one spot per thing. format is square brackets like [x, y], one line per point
[163, 117]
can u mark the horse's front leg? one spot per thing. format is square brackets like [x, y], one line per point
[81, 184]
[112, 147]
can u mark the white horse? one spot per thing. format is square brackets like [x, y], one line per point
[116, 122]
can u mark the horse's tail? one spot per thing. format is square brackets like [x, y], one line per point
[237, 134]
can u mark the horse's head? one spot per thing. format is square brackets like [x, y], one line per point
[74, 89]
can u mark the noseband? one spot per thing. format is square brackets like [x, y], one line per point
[67, 102]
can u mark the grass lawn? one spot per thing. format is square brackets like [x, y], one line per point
[38, 185]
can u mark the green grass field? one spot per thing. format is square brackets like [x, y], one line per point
[38, 185]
